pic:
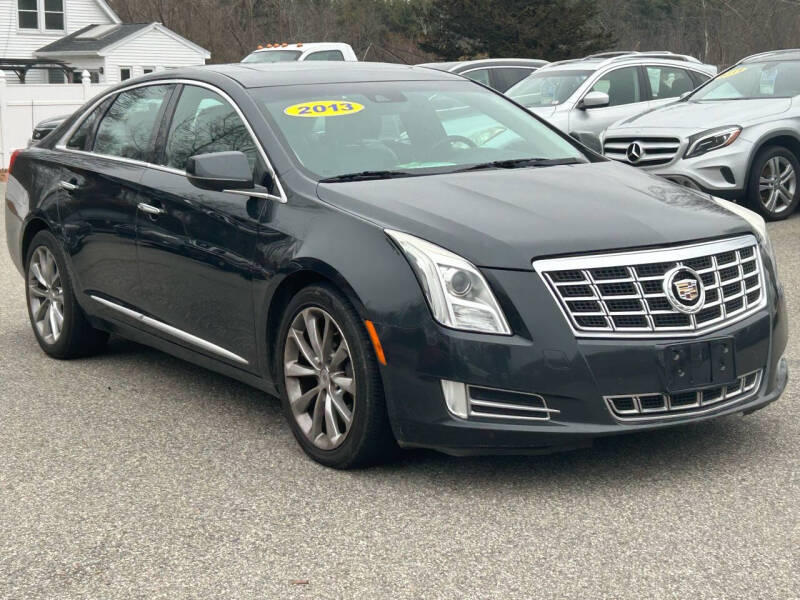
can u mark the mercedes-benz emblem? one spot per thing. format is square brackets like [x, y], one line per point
[685, 290]
[634, 152]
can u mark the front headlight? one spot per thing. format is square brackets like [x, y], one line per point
[713, 139]
[457, 293]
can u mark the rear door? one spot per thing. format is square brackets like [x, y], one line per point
[627, 96]
[103, 164]
[196, 247]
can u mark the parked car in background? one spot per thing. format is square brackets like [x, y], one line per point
[272, 53]
[586, 95]
[43, 128]
[737, 137]
[497, 73]
[428, 286]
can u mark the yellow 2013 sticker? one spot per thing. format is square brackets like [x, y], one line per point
[732, 72]
[323, 108]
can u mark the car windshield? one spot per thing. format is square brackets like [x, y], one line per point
[273, 56]
[547, 88]
[770, 79]
[408, 127]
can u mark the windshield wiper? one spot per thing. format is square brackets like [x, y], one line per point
[366, 175]
[519, 163]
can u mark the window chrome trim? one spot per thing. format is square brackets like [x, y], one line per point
[170, 330]
[62, 143]
[656, 255]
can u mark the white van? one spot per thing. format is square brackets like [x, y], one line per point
[301, 52]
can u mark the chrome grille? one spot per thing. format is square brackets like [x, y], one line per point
[639, 407]
[654, 150]
[489, 403]
[622, 295]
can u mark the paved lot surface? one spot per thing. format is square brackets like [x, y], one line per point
[135, 475]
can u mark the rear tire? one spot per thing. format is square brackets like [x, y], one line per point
[773, 189]
[59, 324]
[331, 388]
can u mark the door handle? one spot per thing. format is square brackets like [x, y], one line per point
[66, 185]
[150, 209]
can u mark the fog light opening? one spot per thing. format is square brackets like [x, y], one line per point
[455, 397]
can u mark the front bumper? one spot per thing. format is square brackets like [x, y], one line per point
[721, 172]
[572, 375]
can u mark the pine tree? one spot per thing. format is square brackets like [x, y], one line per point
[549, 29]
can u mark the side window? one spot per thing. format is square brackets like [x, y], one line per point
[127, 128]
[621, 85]
[325, 55]
[503, 77]
[699, 78]
[80, 138]
[479, 75]
[668, 82]
[205, 122]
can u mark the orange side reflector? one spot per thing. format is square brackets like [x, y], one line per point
[376, 342]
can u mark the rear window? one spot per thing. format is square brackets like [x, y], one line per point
[273, 56]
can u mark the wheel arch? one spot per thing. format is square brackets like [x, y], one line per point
[31, 228]
[785, 138]
[307, 272]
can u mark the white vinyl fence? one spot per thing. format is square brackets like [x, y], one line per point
[23, 106]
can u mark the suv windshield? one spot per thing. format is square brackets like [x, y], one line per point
[408, 128]
[547, 88]
[772, 79]
[273, 56]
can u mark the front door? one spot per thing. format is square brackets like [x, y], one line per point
[627, 97]
[196, 247]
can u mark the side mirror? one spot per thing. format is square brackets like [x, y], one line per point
[595, 100]
[220, 171]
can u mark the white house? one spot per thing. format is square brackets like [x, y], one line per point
[85, 35]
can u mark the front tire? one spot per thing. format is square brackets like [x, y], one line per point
[773, 191]
[59, 324]
[331, 388]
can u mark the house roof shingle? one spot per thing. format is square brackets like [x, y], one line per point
[73, 43]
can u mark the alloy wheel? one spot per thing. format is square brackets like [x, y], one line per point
[46, 295]
[777, 184]
[319, 379]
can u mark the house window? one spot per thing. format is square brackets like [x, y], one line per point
[54, 15]
[55, 76]
[28, 14]
[147, 70]
[124, 73]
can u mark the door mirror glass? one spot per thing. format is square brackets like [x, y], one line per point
[220, 171]
[595, 100]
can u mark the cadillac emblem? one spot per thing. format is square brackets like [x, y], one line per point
[684, 290]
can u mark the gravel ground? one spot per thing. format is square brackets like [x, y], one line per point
[136, 475]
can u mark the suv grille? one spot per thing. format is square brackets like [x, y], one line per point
[648, 406]
[652, 150]
[622, 295]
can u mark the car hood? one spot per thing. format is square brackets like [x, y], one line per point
[543, 111]
[700, 116]
[506, 218]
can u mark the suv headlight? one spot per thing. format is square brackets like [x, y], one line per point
[713, 139]
[457, 293]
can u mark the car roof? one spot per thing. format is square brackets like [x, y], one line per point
[463, 65]
[598, 61]
[256, 75]
[788, 54]
[302, 46]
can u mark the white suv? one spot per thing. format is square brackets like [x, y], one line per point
[585, 96]
[336, 51]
